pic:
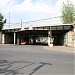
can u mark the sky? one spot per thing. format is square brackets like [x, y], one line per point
[29, 10]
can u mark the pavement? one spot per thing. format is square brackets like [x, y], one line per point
[60, 49]
[54, 48]
[35, 60]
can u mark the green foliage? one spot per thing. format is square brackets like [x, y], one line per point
[68, 13]
[1, 23]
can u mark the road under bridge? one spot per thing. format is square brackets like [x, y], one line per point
[36, 35]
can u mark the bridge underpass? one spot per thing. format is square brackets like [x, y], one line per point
[58, 36]
[16, 36]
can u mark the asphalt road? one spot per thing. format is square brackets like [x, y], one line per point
[34, 60]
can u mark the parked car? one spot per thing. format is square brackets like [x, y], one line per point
[44, 42]
[24, 43]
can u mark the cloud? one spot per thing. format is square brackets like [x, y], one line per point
[27, 6]
[38, 8]
[6, 5]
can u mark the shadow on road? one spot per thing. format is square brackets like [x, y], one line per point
[7, 67]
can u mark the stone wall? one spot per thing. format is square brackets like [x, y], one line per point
[71, 38]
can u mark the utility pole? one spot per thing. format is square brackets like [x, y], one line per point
[9, 19]
[50, 41]
[21, 22]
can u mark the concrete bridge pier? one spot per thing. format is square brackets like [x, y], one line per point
[3, 38]
[50, 40]
[14, 38]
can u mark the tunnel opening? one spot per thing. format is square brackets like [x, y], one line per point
[40, 37]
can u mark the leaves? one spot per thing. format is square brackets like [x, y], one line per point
[1, 23]
[68, 13]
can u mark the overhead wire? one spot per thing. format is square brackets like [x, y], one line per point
[18, 24]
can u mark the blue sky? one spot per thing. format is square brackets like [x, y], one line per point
[19, 1]
[27, 14]
[30, 9]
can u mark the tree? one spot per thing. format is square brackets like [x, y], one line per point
[68, 13]
[1, 21]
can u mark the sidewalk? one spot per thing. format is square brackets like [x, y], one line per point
[54, 48]
[60, 48]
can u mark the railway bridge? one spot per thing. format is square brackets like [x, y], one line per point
[45, 35]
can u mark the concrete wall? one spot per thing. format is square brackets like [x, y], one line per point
[59, 40]
[70, 38]
[70, 41]
[9, 38]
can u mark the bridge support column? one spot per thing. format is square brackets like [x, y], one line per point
[18, 39]
[3, 38]
[14, 38]
[50, 40]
